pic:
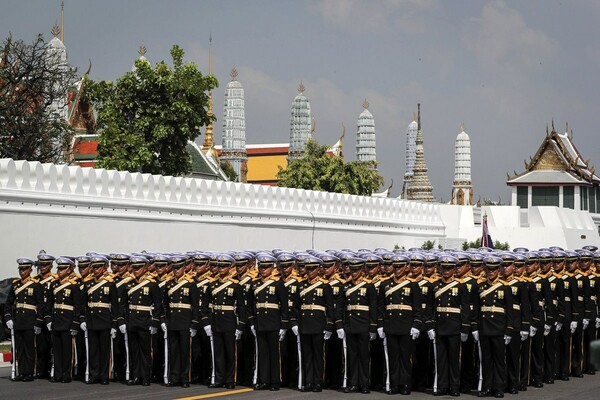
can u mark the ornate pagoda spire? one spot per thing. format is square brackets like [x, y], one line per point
[420, 187]
[411, 153]
[234, 127]
[62, 21]
[208, 136]
[300, 125]
[365, 136]
[462, 188]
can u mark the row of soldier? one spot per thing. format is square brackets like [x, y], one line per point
[398, 320]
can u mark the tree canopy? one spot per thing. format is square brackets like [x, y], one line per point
[34, 84]
[147, 117]
[317, 170]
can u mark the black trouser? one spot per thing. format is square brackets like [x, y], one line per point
[158, 356]
[537, 356]
[120, 357]
[358, 358]
[493, 365]
[224, 343]
[201, 358]
[576, 349]
[99, 352]
[377, 364]
[313, 358]
[422, 363]
[334, 362]
[448, 362]
[62, 343]
[589, 335]
[400, 349]
[468, 375]
[25, 344]
[43, 343]
[140, 353]
[564, 351]
[268, 358]
[524, 368]
[513, 361]
[179, 356]
[289, 361]
[245, 358]
[550, 348]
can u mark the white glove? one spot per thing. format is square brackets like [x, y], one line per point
[524, 335]
[381, 333]
[464, 337]
[208, 330]
[598, 322]
[475, 335]
[238, 334]
[532, 331]
[83, 326]
[507, 339]
[295, 330]
[113, 333]
[9, 324]
[37, 330]
[281, 335]
[153, 330]
[372, 336]
[547, 330]
[326, 335]
[73, 332]
[163, 326]
[123, 329]
[253, 330]
[341, 334]
[49, 326]
[431, 334]
[573, 326]
[193, 332]
[558, 326]
[586, 322]
[414, 333]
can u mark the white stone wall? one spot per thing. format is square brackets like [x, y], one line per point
[68, 210]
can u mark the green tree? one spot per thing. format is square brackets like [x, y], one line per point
[34, 85]
[229, 171]
[148, 116]
[477, 244]
[317, 170]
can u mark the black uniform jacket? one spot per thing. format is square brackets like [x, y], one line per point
[400, 306]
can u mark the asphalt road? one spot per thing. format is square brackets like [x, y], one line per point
[587, 388]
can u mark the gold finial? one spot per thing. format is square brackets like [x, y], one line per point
[55, 30]
[567, 128]
[365, 104]
[301, 88]
[62, 21]
[553, 125]
[414, 117]
[210, 53]
[462, 127]
[233, 74]
[142, 50]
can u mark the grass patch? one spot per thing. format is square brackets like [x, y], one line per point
[4, 347]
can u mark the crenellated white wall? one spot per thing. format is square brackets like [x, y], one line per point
[71, 210]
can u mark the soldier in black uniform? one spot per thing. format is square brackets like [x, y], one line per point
[563, 298]
[357, 323]
[228, 317]
[43, 341]
[24, 316]
[334, 353]
[400, 320]
[164, 275]
[180, 296]
[201, 353]
[590, 308]
[246, 274]
[373, 267]
[64, 318]
[451, 323]
[576, 287]
[85, 275]
[121, 276]
[290, 368]
[268, 320]
[314, 315]
[98, 322]
[142, 307]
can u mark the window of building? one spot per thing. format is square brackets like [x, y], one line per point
[522, 194]
[545, 196]
[569, 197]
[592, 192]
[584, 198]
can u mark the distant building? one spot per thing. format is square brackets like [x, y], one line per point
[300, 125]
[234, 128]
[366, 149]
[420, 188]
[557, 175]
[411, 154]
[462, 188]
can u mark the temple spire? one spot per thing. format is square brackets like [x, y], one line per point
[366, 150]
[419, 187]
[208, 137]
[62, 21]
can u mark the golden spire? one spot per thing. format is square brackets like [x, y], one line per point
[233, 74]
[55, 30]
[208, 135]
[62, 21]
[365, 104]
[301, 88]
[342, 138]
[142, 50]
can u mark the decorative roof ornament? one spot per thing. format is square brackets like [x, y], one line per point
[366, 104]
[56, 30]
[301, 88]
[234, 74]
[62, 21]
[462, 127]
[142, 50]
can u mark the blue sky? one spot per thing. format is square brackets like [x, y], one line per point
[503, 68]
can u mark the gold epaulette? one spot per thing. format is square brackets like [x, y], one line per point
[323, 280]
[413, 279]
[339, 277]
[297, 277]
[88, 278]
[108, 278]
[150, 278]
[480, 280]
[16, 280]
